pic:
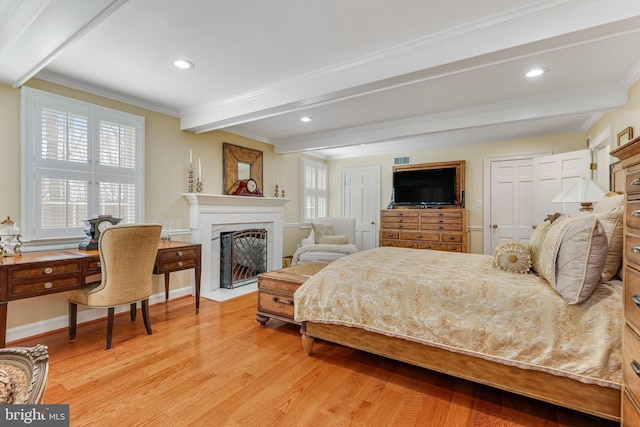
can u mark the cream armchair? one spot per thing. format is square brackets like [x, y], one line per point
[330, 238]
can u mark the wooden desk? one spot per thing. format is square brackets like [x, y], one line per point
[41, 273]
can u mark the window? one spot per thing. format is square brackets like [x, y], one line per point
[79, 161]
[313, 189]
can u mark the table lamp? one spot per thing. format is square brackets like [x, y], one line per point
[585, 191]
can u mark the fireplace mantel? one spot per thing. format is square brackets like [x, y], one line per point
[211, 214]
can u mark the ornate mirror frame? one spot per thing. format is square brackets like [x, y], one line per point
[234, 154]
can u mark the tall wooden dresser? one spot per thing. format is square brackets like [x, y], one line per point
[438, 229]
[629, 155]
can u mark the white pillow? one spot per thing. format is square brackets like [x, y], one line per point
[336, 239]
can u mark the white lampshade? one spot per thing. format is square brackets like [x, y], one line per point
[585, 191]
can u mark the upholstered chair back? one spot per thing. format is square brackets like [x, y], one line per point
[341, 226]
[127, 257]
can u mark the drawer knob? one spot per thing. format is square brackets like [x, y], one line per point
[636, 367]
[419, 236]
[389, 234]
[48, 285]
[283, 300]
[48, 270]
[410, 245]
[180, 263]
[179, 253]
[635, 249]
[635, 181]
[98, 264]
[635, 213]
[427, 247]
[636, 300]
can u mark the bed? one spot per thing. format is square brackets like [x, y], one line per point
[459, 314]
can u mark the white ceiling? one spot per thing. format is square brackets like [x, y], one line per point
[400, 76]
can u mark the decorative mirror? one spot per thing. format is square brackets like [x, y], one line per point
[240, 164]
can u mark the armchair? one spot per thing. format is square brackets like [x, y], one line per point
[330, 238]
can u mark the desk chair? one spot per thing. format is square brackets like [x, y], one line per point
[127, 256]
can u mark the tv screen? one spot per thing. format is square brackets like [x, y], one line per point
[429, 187]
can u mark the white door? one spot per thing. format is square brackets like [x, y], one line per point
[511, 201]
[361, 200]
[552, 175]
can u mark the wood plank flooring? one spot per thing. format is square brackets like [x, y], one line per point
[220, 368]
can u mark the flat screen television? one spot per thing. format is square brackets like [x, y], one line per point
[426, 186]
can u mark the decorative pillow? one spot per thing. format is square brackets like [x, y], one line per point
[512, 256]
[320, 230]
[338, 239]
[536, 239]
[572, 257]
[612, 223]
[609, 201]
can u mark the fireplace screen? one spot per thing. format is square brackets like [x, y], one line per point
[243, 255]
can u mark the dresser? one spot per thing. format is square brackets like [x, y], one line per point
[629, 155]
[437, 229]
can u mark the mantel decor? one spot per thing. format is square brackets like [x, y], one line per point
[241, 166]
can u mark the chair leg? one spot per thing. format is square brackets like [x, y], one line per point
[73, 319]
[145, 316]
[110, 316]
[133, 311]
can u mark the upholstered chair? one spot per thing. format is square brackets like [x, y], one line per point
[127, 257]
[330, 238]
[23, 374]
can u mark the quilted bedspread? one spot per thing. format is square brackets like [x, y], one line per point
[461, 302]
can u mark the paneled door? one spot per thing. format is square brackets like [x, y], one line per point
[361, 200]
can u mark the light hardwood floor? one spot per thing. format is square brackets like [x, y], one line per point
[220, 368]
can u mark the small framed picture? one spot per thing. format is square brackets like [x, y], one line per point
[625, 136]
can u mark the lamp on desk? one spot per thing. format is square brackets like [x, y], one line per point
[585, 191]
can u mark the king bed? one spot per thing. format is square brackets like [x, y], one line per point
[460, 314]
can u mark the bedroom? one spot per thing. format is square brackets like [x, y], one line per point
[167, 152]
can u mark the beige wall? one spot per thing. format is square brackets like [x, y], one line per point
[617, 121]
[472, 154]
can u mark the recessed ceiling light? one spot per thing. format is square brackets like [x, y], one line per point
[305, 119]
[183, 64]
[535, 72]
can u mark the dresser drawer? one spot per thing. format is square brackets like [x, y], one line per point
[449, 247]
[451, 238]
[418, 235]
[630, 411]
[389, 234]
[176, 264]
[454, 215]
[275, 303]
[33, 287]
[633, 183]
[631, 361]
[393, 243]
[632, 296]
[400, 213]
[396, 222]
[632, 213]
[177, 253]
[442, 226]
[632, 249]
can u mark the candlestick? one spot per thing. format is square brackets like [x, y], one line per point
[190, 156]
[199, 170]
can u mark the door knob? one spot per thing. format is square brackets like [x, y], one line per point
[372, 222]
[495, 226]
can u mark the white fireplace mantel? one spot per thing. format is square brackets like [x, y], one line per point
[211, 214]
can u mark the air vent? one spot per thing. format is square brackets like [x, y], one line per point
[401, 160]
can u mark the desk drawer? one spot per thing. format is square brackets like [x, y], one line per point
[33, 287]
[45, 270]
[176, 264]
[275, 303]
[177, 253]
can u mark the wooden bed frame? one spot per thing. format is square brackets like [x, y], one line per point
[592, 399]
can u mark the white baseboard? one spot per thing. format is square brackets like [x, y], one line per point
[62, 322]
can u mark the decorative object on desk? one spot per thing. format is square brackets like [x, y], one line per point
[239, 165]
[247, 187]
[93, 227]
[585, 191]
[10, 242]
[625, 136]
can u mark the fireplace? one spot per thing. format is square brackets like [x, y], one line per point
[211, 215]
[243, 255]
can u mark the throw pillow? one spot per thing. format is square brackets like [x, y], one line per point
[320, 230]
[572, 257]
[338, 239]
[512, 256]
[612, 223]
[536, 239]
[609, 201]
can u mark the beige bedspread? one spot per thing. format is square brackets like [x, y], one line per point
[462, 303]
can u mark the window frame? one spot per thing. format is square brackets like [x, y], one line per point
[33, 168]
[316, 193]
